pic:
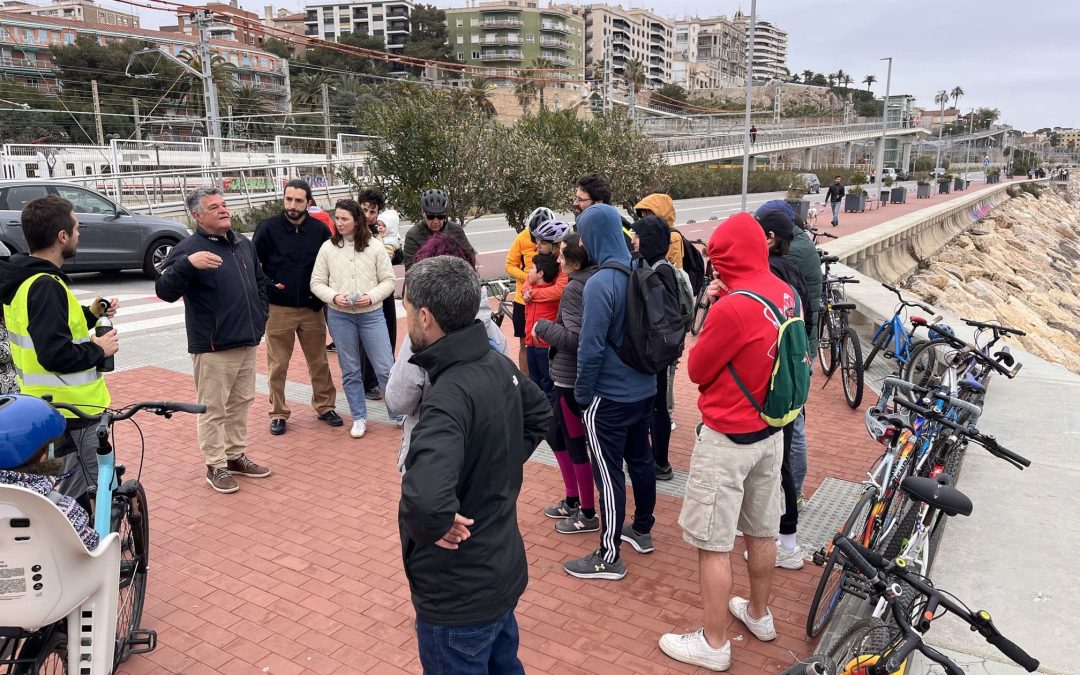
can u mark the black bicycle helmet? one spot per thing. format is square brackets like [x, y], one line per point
[435, 202]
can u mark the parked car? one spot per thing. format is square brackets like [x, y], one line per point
[888, 172]
[812, 183]
[111, 238]
[938, 172]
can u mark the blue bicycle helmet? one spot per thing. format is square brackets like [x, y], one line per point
[26, 424]
[939, 330]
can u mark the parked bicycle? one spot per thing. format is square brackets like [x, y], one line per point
[702, 301]
[838, 344]
[892, 338]
[817, 234]
[38, 628]
[502, 291]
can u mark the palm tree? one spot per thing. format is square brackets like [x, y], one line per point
[634, 75]
[542, 67]
[847, 80]
[222, 72]
[479, 95]
[831, 77]
[249, 103]
[840, 75]
[956, 93]
[307, 89]
[941, 98]
[869, 80]
[525, 90]
[807, 76]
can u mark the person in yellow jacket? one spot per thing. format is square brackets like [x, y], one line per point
[658, 204]
[518, 260]
[53, 345]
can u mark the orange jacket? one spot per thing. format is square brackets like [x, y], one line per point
[542, 306]
[518, 260]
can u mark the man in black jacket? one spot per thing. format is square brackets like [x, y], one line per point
[218, 274]
[287, 245]
[479, 422]
[834, 197]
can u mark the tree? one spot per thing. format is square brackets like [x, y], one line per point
[307, 89]
[634, 76]
[479, 95]
[808, 76]
[249, 104]
[868, 81]
[222, 73]
[541, 69]
[278, 48]
[669, 96]
[831, 77]
[820, 80]
[327, 57]
[428, 38]
[525, 90]
[847, 80]
[955, 94]
[840, 75]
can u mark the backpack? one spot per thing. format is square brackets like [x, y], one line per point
[693, 265]
[789, 383]
[686, 291]
[654, 328]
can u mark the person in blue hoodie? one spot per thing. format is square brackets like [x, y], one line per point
[617, 401]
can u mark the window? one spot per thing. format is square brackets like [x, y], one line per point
[530, 38]
[474, 22]
[460, 39]
[377, 17]
[379, 33]
[460, 23]
[476, 37]
[85, 201]
[69, 169]
[14, 199]
[461, 56]
[475, 55]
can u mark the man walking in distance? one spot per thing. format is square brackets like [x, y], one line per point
[617, 401]
[834, 197]
[479, 422]
[217, 273]
[53, 346]
[734, 479]
[287, 245]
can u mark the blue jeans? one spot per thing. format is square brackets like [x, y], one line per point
[836, 212]
[798, 451]
[356, 335]
[480, 648]
[540, 371]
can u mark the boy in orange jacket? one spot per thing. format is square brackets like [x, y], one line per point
[543, 274]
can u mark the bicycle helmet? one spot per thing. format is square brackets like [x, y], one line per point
[539, 215]
[940, 330]
[874, 426]
[435, 202]
[27, 424]
[552, 231]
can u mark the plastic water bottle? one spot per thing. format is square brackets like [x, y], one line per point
[104, 325]
[353, 298]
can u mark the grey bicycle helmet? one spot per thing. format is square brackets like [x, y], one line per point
[435, 202]
[540, 214]
[552, 231]
[876, 427]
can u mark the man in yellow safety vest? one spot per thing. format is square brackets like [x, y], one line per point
[53, 345]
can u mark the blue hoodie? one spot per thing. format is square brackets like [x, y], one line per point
[600, 371]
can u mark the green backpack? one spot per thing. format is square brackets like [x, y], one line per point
[789, 384]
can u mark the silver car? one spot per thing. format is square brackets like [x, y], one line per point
[111, 238]
[812, 183]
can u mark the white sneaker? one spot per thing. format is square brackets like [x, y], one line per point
[359, 427]
[789, 560]
[694, 649]
[762, 628]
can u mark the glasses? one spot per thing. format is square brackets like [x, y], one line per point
[429, 216]
[581, 200]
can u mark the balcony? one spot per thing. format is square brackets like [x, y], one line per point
[503, 40]
[502, 56]
[561, 60]
[398, 11]
[657, 39]
[397, 26]
[656, 49]
[555, 43]
[360, 13]
[311, 17]
[620, 35]
[556, 27]
[17, 63]
[620, 23]
[491, 24]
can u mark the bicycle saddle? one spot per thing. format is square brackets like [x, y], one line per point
[918, 321]
[939, 493]
[845, 306]
[900, 420]
[830, 259]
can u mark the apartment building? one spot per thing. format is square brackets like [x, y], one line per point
[332, 20]
[770, 48]
[507, 35]
[230, 23]
[76, 10]
[718, 48]
[625, 35]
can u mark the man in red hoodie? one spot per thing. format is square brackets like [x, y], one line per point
[734, 477]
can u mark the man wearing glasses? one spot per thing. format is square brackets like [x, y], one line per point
[434, 209]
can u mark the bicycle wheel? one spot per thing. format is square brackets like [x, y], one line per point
[831, 586]
[926, 364]
[851, 369]
[131, 518]
[884, 338]
[701, 310]
[862, 645]
[45, 653]
[827, 343]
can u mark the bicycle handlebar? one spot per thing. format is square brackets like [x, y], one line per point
[989, 442]
[997, 328]
[908, 303]
[961, 345]
[876, 569]
[156, 407]
[910, 388]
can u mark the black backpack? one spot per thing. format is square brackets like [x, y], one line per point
[692, 264]
[654, 329]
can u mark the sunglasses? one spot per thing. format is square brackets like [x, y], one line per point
[429, 216]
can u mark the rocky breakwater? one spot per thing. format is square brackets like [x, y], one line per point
[1019, 265]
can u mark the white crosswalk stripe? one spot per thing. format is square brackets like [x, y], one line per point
[140, 313]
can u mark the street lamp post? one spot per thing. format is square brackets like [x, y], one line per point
[941, 129]
[967, 155]
[884, 120]
[749, 99]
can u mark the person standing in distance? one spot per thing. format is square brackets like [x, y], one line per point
[217, 273]
[479, 421]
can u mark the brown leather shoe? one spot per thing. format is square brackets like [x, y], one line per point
[221, 480]
[242, 466]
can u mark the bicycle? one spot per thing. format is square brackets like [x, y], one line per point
[816, 234]
[892, 332]
[702, 302]
[35, 637]
[502, 291]
[838, 344]
[871, 647]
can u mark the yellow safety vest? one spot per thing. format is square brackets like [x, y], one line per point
[85, 389]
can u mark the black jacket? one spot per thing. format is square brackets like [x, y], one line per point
[786, 270]
[224, 308]
[287, 253]
[419, 233]
[479, 422]
[835, 193]
[47, 305]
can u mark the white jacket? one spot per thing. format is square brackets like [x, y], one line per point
[343, 270]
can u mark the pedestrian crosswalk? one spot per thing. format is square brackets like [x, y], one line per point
[139, 312]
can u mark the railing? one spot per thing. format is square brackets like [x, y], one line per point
[507, 40]
[554, 42]
[556, 27]
[502, 56]
[502, 23]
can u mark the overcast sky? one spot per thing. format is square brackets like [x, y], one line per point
[1021, 58]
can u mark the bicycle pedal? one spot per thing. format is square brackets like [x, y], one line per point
[819, 557]
[142, 641]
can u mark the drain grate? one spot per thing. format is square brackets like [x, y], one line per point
[823, 514]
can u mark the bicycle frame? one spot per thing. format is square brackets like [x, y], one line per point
[106, 484]
[901, 339]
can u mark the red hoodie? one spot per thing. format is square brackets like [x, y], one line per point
[541, 308]
[737, 330]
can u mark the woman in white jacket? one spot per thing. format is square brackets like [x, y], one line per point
[353, 276]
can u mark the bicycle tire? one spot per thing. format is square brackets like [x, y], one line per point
[701, 310]
[904, 528]
[830, 587]
[883, 339]
[131, 518]
[44, 654]
[869, 636]
[826, 346]
[922, 367]
[851, 369]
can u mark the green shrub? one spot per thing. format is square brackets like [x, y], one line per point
[250, 218]
[689, 182]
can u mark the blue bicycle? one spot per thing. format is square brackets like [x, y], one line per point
[892, 338]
